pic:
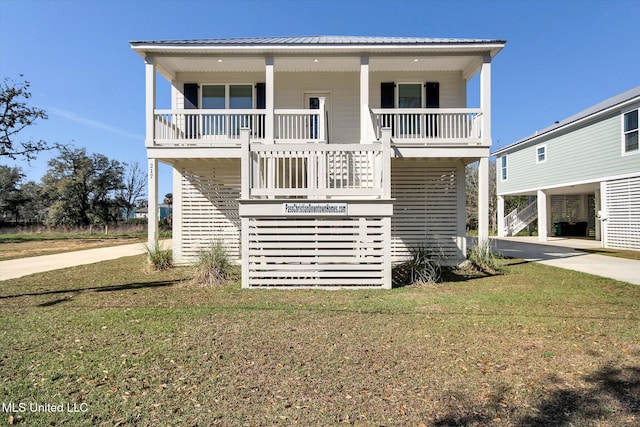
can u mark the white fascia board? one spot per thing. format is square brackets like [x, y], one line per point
[482, 49]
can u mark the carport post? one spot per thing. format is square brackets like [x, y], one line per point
[544, 201]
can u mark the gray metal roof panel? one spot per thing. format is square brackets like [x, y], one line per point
[591, 111]
[316, 40]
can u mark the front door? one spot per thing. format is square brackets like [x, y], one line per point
[312, 102]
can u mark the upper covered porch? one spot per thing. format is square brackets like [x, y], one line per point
[341, 90]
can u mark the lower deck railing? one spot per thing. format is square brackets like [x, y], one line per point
[316, 170]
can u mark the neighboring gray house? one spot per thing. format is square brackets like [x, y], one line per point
[582, 175]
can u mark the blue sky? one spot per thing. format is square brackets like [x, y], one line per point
[561, 56]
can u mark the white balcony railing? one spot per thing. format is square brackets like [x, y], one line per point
[207, 124]
[299, 125]
[316, 170]
[195, 125]
[429, 125]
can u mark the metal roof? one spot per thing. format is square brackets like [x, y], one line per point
[601, 107]
[318, 41]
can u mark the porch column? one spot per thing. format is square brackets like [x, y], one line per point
[598, 207]
[500, 216]
[176, 215]
[150, 98]
[269, 101]
[485, 99]
[603, 215]
[152, 213]
[544, 201]
[483, 199]
[365, 138]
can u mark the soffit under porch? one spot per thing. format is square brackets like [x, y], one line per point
[169, 66]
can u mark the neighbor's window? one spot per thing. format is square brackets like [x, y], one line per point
[503, 168]
[541, 154]
[631, 132]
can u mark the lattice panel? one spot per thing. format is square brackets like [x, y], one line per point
[623, 210]
[327, 252]
[210, 195]
[425, 209]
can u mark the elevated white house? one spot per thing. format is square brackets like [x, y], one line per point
[319, 161]
[582, 173]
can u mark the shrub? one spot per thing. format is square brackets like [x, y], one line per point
[484, 257]
[213, 266]
[423, 268]
[159, 258]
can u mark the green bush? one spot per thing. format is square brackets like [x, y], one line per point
[423, 268]
[213, 267]
[484, 257]
[159, 258]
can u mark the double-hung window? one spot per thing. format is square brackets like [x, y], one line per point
[503, 168]
[541, 154]
[630, 132]
[226, 97]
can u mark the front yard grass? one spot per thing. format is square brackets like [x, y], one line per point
[537, 346]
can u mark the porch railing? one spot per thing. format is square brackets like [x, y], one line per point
[315, 170]
[299, 125]
[290, 125]
[207, 124]
[425, 125]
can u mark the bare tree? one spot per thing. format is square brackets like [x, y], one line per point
[135, 183]
[15, 115]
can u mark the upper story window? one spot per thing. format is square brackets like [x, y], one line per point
[410, 95]
[227, 96]
[541, 154]
[630, 132]
[503, 168]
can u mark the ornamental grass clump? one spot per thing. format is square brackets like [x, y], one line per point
[484, 257]
[213, 267]
[423, 268]
[159, 258]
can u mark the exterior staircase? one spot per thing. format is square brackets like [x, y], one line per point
[520, 217]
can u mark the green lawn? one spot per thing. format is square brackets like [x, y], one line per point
[536, 346]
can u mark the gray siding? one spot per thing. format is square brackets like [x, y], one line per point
[589, 153]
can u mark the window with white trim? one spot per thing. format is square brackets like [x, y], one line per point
[224, 97]
[503, 168]
[541, 154]
[630, 132]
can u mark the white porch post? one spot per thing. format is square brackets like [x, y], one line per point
[269, 101]
[501, 216]
[461, 208]
[152, 213]
[364, 101]
[598, 207]
[603, 214]
[386, 163]
[150, 98]
[485, 99]
[483, 165]
[543, 215]
[483, 199]
[176, 216]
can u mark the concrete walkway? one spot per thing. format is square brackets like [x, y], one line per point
[14, 268]
[561, 252]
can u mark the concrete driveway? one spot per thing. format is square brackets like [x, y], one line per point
[562, 253]
[14, 268]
